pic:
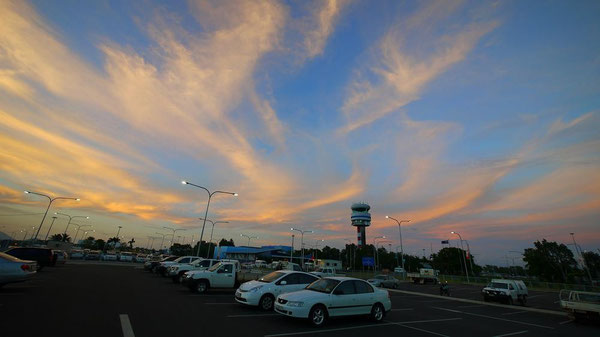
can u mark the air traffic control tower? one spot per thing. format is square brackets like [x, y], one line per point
[361, 218]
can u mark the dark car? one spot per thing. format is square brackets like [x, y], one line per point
[43, 256]
[152, 264]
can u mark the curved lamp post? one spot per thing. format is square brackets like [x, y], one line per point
[249, 237]
[302, 241]
[68, 223]
[375, 252]
[51, 200]
[210, 194]
[462, 254]
[76, 233]
[400, 231]
[211, 233]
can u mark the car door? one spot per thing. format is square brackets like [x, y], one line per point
[286, 284]
[343, 300]
[224, 277]
[364, 298]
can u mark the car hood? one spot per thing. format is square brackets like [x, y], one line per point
[252, 284]
[304, 296]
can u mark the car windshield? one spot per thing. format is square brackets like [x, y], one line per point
[215, 267]
[324, 285]
[380, 277]
[498, 285]
[271, 277]
[169, 258]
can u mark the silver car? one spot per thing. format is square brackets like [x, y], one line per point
[13, 269]
[385, 281]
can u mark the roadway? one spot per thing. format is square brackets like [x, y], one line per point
[115, 299]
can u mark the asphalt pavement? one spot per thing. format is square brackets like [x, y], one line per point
[120, 299]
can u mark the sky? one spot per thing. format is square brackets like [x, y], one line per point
[477, 117]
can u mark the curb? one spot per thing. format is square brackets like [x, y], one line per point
[464, 300]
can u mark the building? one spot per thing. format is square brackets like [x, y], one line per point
[361, 219]
[337, 264]
[250, 254]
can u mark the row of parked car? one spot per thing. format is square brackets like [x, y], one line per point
[18, 264]
[108, 256]
[288, 291]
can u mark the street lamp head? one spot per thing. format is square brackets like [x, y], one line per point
[77, 199]
[26, 192]
[453, 232]
[87, 217]
[184, 182]
[235, 194]
[387, 216]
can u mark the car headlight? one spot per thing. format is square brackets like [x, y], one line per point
[295, 303]
[255, 289]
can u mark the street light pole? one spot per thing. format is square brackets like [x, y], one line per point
[77, 233]
[163, 239]
[399, 231]
[51, 200]
[582, 258]
[249, 237]
[210, 194]
[375, 252]
[292, 251]
[68, 223]
[462, 254]
[302, 242]
[53, 218]
[211, 233]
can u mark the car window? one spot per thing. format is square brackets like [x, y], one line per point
[325, 285]
[362, 287]
[291, 278]
[306, 279]
[228, 268]
[345, 288]
[205, 263]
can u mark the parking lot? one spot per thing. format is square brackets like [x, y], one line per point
[120, 299]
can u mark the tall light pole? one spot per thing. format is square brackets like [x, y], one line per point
[173, 230]
[163, 239]
[462, 254]
[375, 253]
[302, 242]
[46, 238]
[582, 258]
[399, 222]
[249, 237]
[317, 249]
[292, 251]
[78, 227]
[211, 233]
[210, 194]
[68, 223]
[349, 252]
[51, 200]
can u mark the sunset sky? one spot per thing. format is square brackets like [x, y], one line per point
[478, 117]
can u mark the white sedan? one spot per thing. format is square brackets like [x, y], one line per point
[334, 297]
[13, 269]
[262, 293]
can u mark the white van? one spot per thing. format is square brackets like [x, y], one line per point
[508, 291]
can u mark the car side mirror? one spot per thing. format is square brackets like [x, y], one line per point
[283, 283]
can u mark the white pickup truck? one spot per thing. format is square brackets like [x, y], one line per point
[221, 275]
[325, 272]
[580, 304]
[176, 271]
[508, 291]
[425, 275]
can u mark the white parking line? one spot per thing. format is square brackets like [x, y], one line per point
[496, 318]
[565, 322]
[221, 303]
[308, 332]
[252, 315]
[470, 306]
[422, 330]
[514, 312]
[404, 309]
[513, 333]
[126, 326]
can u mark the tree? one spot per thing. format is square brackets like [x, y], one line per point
[592, 261]
[181, 250]
[550, 261]
[60, 237]
[224, 242]
[449, 261]
[99, 244]
[131, 242]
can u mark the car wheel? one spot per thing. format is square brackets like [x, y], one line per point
[377, 312]
[201, 287]
[509, 301]
[180, 277]
[266, 302]
[317, 315]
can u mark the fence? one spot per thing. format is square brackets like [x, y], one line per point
[531, 284]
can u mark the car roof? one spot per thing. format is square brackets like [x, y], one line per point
[342, 278]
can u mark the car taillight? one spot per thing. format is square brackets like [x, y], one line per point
[25, 267]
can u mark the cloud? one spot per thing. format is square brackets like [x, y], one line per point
[397, 75]
[322, 22]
